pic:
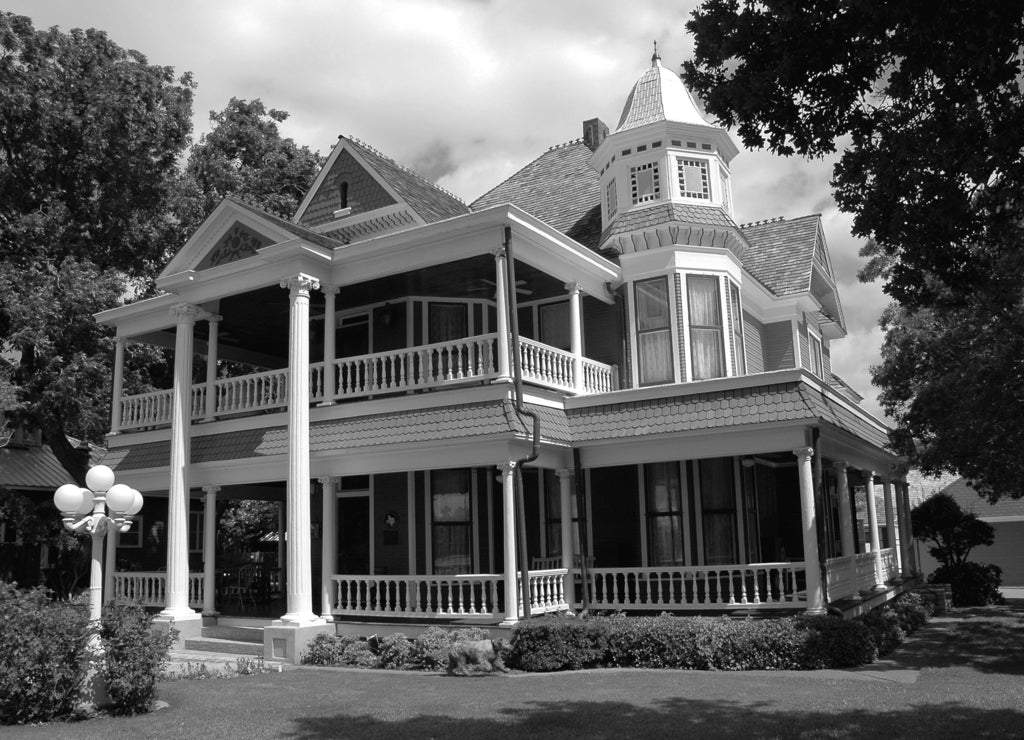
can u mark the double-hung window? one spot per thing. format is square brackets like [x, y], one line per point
[736, 315]
[653, 331]
[814, 350]
[707, 345]
[451, 522]
[664, 514]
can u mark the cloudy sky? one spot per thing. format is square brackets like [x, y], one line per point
[463, 91]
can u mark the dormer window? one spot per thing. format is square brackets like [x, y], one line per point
[693, 178]
[646, 182]
[612, 198]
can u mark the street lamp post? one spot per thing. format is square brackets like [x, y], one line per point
[85, 510]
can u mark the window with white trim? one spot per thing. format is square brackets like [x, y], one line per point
[451, 522]
[665, 519]
[653, 331]
[693, 178]
[645, 180]
[707, 335]
[814, 350]
[723, 180]
[736, 316]
[612, 198]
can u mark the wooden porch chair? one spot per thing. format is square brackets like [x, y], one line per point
[245, 585]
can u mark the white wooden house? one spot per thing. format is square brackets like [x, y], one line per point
[695, 453]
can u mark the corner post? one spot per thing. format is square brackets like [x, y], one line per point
[812, 568]
[118, 390]
[501, 299]
[210, 550]
[576, 336]
[876, 550]
[508, 521]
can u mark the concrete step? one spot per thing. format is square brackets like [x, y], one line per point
[234, 632]
[220, 645]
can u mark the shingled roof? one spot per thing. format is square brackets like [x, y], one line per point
[430, 202]
[782, 253]
[290, 226]
[35, 467]
[559, 188]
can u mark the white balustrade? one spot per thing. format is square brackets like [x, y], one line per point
[471, 359]
[765, 585]
[423, 597]
[849, 575]
[547, 591]
[150, 588]
[256, 392]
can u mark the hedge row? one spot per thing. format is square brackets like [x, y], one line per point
[427, 652]
[44, 657]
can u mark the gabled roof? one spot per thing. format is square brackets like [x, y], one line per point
[299, 231]
[782, 253]
[35, 467]
[970, 501]
[430, 202]
[559, 188]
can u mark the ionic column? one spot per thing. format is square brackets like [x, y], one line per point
[300, 567]
[508, 508]
[890, 515]
[118, 390]
[210, 550]
[565, 510]
[211, 370]
[812, 568]
[576, 335]
[876, 550]
[328, 558]
[176, 607]
[501, 298]
[845, 515]
[330, 385]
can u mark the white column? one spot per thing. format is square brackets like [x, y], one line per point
[210, 550]
[328, 558]
[815, 598]
[845, 515]
[118, 390]
[330, 385]
[565, 512]
[110, 565]
[211, 370]
[901, 520]
[890, 515]
[177, 607]
[869, 486]
[911, 559]
[508, 508]
[502, 300]
[300, 565]
[576, 335]
[281, 555]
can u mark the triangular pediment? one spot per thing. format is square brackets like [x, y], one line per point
[231, 233]
[346, 185]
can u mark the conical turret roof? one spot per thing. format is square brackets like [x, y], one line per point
[659, 95]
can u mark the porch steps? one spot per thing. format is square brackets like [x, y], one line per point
[228, 639]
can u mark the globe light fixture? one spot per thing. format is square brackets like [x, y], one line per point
[85, 510]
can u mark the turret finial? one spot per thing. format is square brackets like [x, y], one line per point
[655, 57]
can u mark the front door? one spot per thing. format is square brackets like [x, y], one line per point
[354, 535]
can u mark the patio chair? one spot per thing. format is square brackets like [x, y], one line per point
[245, 585]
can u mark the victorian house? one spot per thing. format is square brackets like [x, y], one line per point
[590, 387]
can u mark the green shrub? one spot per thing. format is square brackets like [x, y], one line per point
[339, 650]
[830, 642]
[394, 651]
[559, 644]
[973, 584]
[135, 657]
[884, 626]
[429, 651]
[42, 655]
[912, 610]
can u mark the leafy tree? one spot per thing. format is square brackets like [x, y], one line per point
[244, 521]
[244, 156]
[90, 136]
[953, 534]
[925, 102]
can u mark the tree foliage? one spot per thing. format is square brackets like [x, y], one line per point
[90, 135]
[925, 103]
[952, 531]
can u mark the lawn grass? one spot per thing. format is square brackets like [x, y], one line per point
[970, 684]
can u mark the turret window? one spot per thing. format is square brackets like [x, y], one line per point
[612, 198]
[693, 178]
[653, 331]
[707, 340]
[646, 182]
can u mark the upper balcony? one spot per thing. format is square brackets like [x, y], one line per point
[453, 363]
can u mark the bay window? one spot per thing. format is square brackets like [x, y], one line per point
[653, 331]
[707, 342]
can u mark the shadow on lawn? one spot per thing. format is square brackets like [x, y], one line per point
[679, 718]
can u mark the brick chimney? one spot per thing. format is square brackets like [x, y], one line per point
[594, 132]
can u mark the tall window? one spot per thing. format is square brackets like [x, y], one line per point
[664, 514]
[737, 329]
[814, 347]
[707, 346]
[451, 522]
[553, 516]
[718, 510]
[646, 182]
[724, 181]
[343, 194]
[653, 331]
[693, 178]
[612, 198]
